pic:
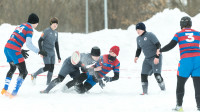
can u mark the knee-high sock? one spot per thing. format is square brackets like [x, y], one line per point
[145, 87]
[18, 85]
[49, 77]
[38, 72]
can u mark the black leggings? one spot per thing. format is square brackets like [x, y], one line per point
[22, 69]
[48, 67]
[180, 89]
[144, 77]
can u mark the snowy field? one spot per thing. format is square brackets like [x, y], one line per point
[118, 96]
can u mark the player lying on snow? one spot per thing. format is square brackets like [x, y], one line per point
[72, 68]
[105, 64]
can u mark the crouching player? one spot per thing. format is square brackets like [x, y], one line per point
[105, 64]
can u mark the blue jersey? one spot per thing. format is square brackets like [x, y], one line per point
[189, 42]
[107, 65]
[18, 37]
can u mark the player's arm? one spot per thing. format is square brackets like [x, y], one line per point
[116, 76]
[30, 45]
[169, 46]
[57, 50]
[40, 43]
[138, 52]
[158, 45]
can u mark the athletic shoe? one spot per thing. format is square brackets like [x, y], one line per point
[12, 96]
[33, 79]
[178, 109]
[4, 92]
[44, 92]
[162, 86]
[143, 94]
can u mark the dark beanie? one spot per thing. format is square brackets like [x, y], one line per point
[33, 18]
[95, 51]
[141, 26]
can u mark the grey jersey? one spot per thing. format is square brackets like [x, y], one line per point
[86, 59]
[147, 42]
[68, 68]
[50, 37]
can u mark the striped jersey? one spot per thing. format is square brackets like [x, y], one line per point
[189, 42]
[107, 65]
[18, 37]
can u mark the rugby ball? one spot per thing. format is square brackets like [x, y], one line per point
[75, 58]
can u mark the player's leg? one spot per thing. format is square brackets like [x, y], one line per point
[43, 69]
[22, 75]
[196, 82]
[89, 83]
[9, 77]
[157, 73]
[77, 81]
[160, 81]
[144, 80]
[53, 83]
[50, 71]
[50, 74]
[184, 71]
[64, 71]
[146, 70]
[180, 90]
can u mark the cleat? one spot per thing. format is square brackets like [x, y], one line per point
[33, 79]
[178, 109]
[12, 96]
[44, 92]
[5, 92]
[143, 94]
[162, 86]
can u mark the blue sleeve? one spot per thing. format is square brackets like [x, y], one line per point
[175, 37]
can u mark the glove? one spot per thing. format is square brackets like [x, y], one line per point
[24, 53]
[43, 53]
[107, 79]
[84, 69]
[101, 84]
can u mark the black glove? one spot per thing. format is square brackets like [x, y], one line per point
[107, 79]
[101, 84]
[43, 53]
[24, 53]
[84, 69]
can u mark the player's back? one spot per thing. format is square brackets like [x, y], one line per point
[18, 37]
[107, 65]
[189, 43]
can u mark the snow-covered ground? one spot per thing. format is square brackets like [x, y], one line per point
[119, 96]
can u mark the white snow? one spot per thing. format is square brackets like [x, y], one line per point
[119, 96]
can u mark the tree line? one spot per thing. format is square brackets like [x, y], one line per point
[71, 13]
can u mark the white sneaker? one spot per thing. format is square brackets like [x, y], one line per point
[178, 109]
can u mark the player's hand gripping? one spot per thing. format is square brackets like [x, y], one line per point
[24, 53]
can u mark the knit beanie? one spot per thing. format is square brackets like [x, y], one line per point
[95, 51]
[115, 49]
[141, 26]
[33, 18]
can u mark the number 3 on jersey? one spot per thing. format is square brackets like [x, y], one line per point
[190, 37]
